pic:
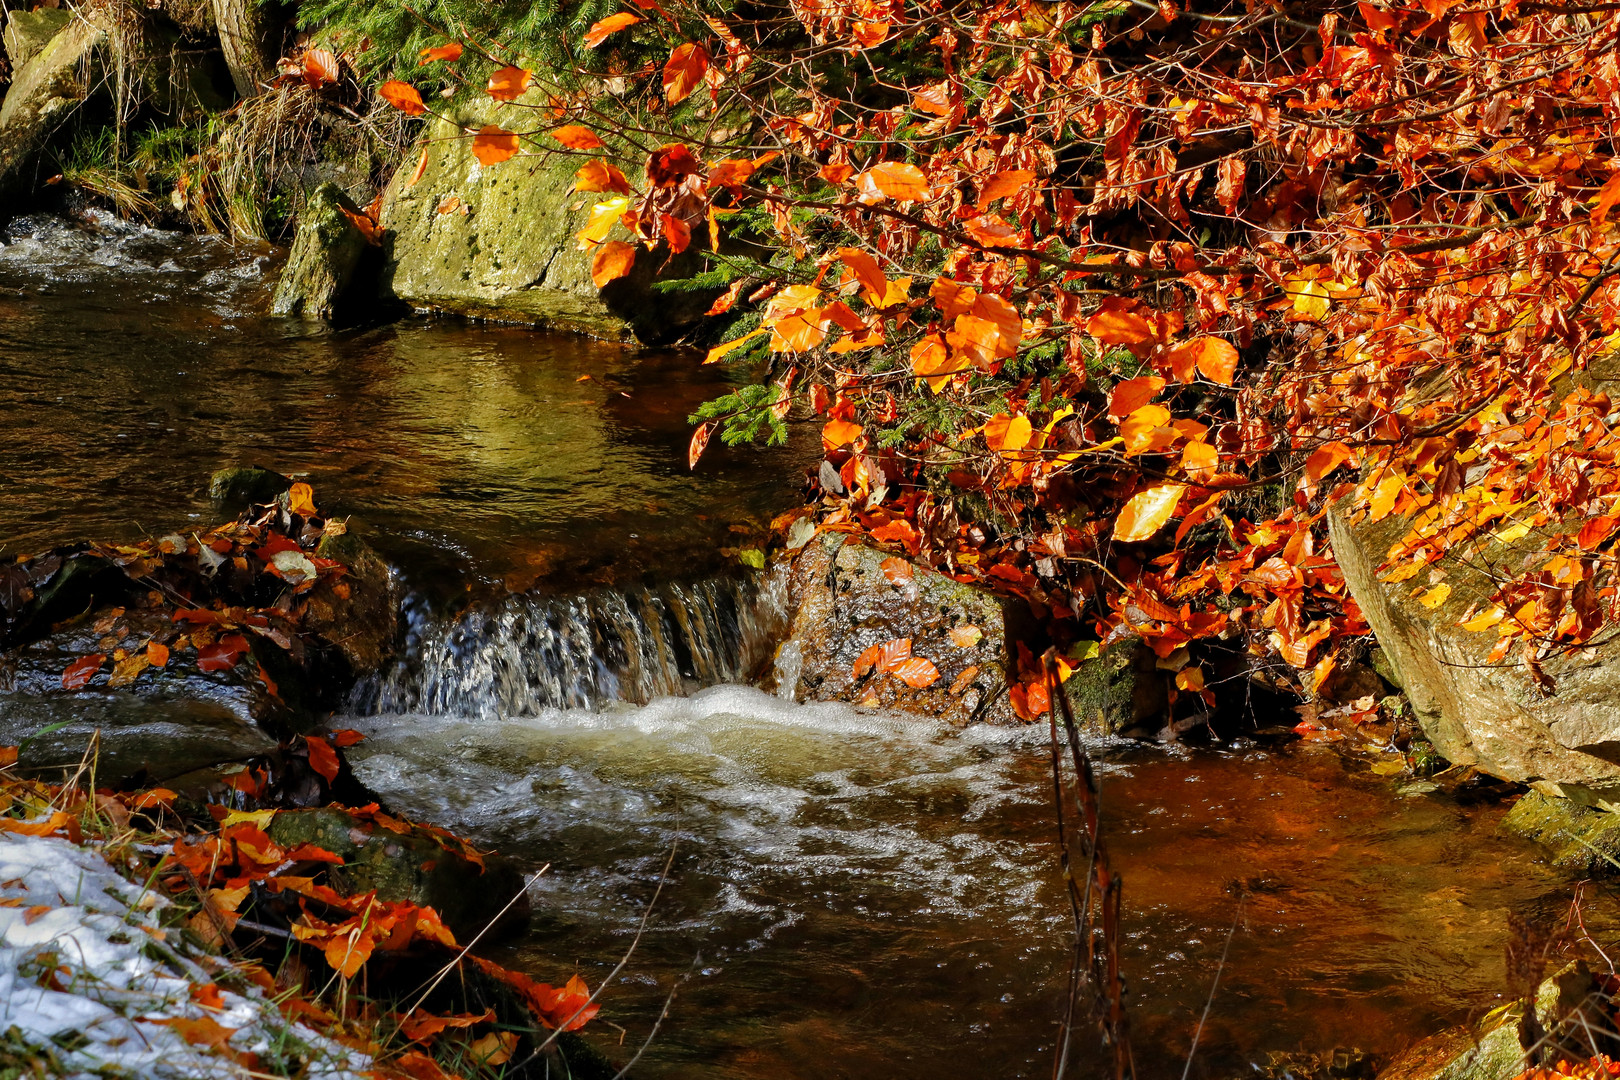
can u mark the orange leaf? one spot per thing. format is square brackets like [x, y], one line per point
[449, 204]
[1116, 324]
[322, 758]
[1216, 358]
[700, 439]
[917, 673]
[612, 24]
[82, 670]
[684, 71]
[869, 34]
[1608, 195]
[301, 500]
[207, 995]
[1198, 460]
[719, 351]
[840, 433]
[892, 654]
[452, 51]
[402, 96]
[157, 654]
[320, 68]
[898, 181]
[723, 303]
[1007, 433]
[613, 260]
[57, 822]
[419, 1024]
[8, 756]
[600, 176]
[508, 83]
[867, 272]
[676, 231]
[576, 137]
[1002, 184]
[1132, 394]
[1146, 512]
[493, 145]
[897, 570]
[1144, 431]
[421, 168]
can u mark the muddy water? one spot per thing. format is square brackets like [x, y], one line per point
[132, 364]
[851, 895]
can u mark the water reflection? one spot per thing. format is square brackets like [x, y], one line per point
[132, 364]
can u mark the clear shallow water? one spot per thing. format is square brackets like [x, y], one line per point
[861, 896]
[133, 364]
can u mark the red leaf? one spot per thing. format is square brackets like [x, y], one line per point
[223, 654]
[684, 71]
[322, 758]
[82, 670]
[347, 737]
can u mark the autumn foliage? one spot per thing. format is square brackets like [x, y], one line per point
[1105, 304]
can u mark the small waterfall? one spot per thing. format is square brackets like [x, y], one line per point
[522, 654]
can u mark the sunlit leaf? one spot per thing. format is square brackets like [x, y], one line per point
[700, 440]
[604, 215]
[917, 673]
[600, 29]
[451, 51]
[1146, 512]
[1132, 394]
[1006, 433]
[613, 260]
[600, 176]
[402, 96]
[683, 72]
[899, 181]
[837, 434]
[493, 145]
[719, 351]
[508, 83]
[576, 137]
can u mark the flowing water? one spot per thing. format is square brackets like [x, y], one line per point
[847, 894]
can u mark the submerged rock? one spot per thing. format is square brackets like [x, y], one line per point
[1579, 838]
[842, 603]
[402, 861]
[498, 242]
[325, 254]
[44, 92]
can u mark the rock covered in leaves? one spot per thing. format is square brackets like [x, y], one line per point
[1554, 724]
[325, 255]
[1118, 689]
[401, 861]
[189, 650]
[872, 628]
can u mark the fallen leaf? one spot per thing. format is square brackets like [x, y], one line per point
[917, 673]
[322, 758]
[966, 636]
[897, 570]
[81, 671]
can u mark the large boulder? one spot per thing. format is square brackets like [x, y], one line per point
[44, 93]
[843, 602]
[325, 254]
[498, 242]
[1475, 711]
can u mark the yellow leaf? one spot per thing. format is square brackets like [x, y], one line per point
[603, 215]
[1147, 512]
[1435, 596]
[1384, 495]
[1310, 297]
[1485, 619]
[1144, 430]
[1198, 460]
[719, 351]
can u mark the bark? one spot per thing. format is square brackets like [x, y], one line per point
[248, 36]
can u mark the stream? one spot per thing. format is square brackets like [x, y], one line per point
[847, 893]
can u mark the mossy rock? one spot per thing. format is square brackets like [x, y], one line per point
[39, 105]
[363, 624]
[1117, 689]
[325, 256]
[416, 865]
[1579, 838]
[246, 485]
[27, 32]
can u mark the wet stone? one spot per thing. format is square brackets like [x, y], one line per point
[1584, 839]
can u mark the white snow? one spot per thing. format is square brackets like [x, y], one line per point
[92, 976]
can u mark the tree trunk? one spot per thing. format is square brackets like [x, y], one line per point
[246, 38]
